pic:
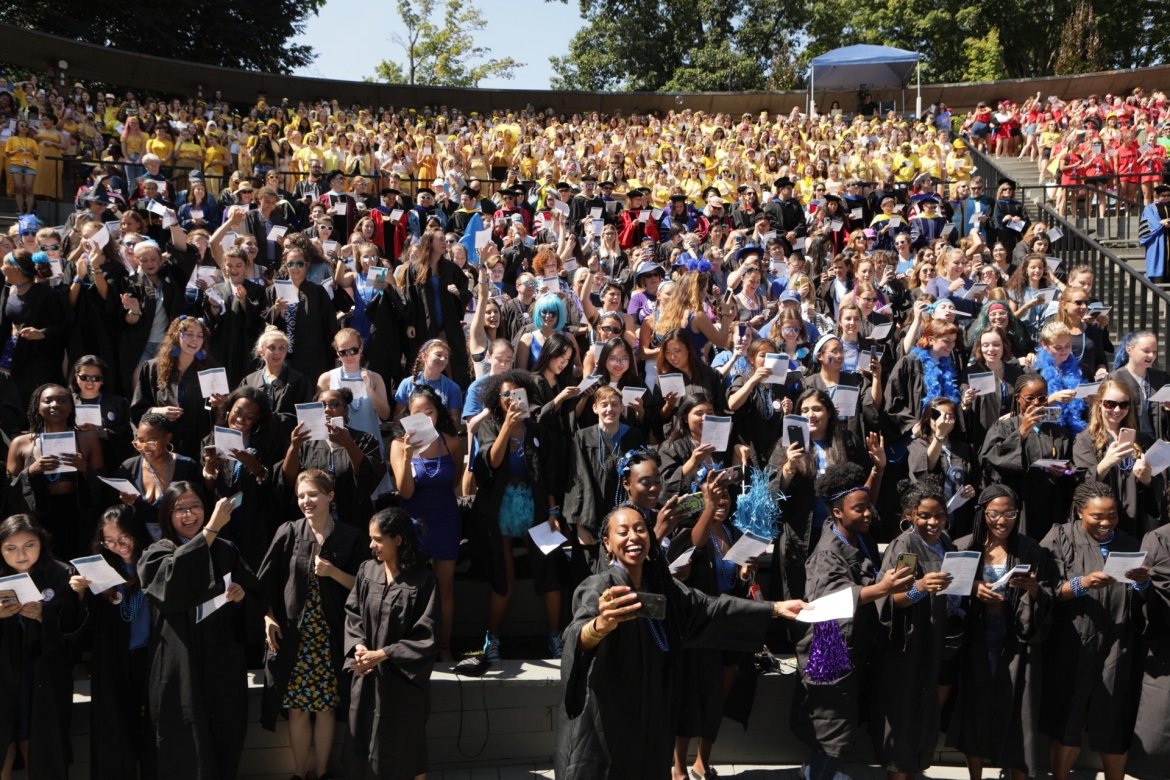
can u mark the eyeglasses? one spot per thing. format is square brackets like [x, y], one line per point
[333, 404]
[870, 299]
[324, 227]
[89, 378]
[1011, 514]
[122, 541]
[349, 352]
[528, 284]
[1111, 405]
[295, 264]
[50, 247]
[129, 244]
[610, 329]
[190, 509]
[1081, 302]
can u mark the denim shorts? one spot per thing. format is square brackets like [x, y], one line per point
[21, 170]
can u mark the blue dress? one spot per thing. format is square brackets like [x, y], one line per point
[434, 504]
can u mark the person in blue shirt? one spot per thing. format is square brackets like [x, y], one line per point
[432, 360]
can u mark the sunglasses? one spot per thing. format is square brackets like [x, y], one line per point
[50, 247]
[89, 378]
[349, 352]
[295, 264]
[129, 244]
[1112, 405]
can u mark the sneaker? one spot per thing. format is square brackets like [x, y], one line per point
[555, 646]
[491, 647]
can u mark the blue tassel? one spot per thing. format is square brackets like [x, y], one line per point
[828, 658]
[756, 510]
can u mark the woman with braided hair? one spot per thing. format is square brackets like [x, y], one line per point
[620, 677]
[1089, 667]
[826, 709]
[997, 693]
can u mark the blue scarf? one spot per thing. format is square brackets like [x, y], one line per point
[1064, 377]
[938, 377]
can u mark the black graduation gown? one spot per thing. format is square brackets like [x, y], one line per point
[592, 487]
[116, 432]
[420, 300]
[1150, 753]
[904, 722]
[314, 326]
[389, 706]
[826, 716]
[35, 362]
[615, 720]
[1044, 499]
[43, 647]
[254, 521]
[995, 714]
[757, 423]
[1091, 664]
[352, 487]
[235, 329]
[195, 422]
[121, 736]
[675, 454]
[133, 336]
[284, 393]
[1156, 379]
[285, 575]
[198, 675]
[1140, 508]
[868, 417]
[987, 409]
[956, 468]
[905, 396]
[95, 323]
[703, 379]
[386, 346]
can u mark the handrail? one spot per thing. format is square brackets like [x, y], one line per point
[1138, 303]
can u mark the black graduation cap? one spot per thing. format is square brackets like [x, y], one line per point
[589, 177]
[636, 193]
[333, 174]
[1008, 182]
[469, 192]
[711, 191]
[783, 182]
[928, 199]
[426, 191]
[605, 184]
[563, 185]
[678, 198]
[1161, 188]
[388, 191]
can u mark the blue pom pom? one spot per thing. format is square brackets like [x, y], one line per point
[756, 510]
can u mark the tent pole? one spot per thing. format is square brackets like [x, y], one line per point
[918, 100]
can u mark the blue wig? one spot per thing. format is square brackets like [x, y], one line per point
[550, 302]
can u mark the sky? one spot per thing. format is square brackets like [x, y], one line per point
[351, 37]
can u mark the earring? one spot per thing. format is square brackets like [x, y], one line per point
[905, 525]
[170, 448]
[201, 355]
[174, 351]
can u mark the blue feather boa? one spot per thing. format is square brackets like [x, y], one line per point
[1064, 377]
[939, 377]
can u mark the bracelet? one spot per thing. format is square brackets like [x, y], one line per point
[1078, 589]
[914, 594]
[1142, 586]
[555, 512]
[210, 531]
[590, 633]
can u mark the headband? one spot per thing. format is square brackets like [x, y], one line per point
[845, 492]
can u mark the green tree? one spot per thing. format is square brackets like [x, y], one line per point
[443, 54]
[234, 33]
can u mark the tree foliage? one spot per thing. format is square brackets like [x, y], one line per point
[443, 53]
[698, 45]
[250, 34]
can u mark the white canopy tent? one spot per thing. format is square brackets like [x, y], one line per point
[875, 67]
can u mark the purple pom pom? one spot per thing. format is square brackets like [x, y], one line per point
[828, 659]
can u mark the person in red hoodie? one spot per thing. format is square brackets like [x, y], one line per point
[636, 221]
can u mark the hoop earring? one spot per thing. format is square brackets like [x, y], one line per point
[201, 355]
[174, 351]
[608, 557]
[171, 448]
[905, 525]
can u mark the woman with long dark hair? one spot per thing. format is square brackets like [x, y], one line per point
[309, 322]
[391, 617]
[117, 621]
[436, 295]
[88, 380]
[32, 317]
[36, 656]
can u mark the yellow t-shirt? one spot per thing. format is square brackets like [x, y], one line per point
[189, 154]
[163, 149]
[22, 151]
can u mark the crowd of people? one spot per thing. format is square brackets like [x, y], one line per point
[259, 411]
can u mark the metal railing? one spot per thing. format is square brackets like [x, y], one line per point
[1138, 303]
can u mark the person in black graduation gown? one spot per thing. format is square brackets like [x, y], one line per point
[169, 385]
[32, 321]
[238, 321]
[754, 403]
[285, 386]
[1144, 380]
[997, 699]
[36, 656]
[1150, 754]
[88, 383]
[198, 698]
[619, 673]
[437, 292]
[826, 709]
[1104, 457]
[310, 323]
[117, 623]
[938, 450]
[391, 641]
[308, 573]
[907, 694]
[991, 351]
[1015, 443]
[1090, 669]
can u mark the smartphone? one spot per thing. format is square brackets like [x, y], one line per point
[690, 504]
[237, 500]
[1126, 436]
[653, 605]
[7, 597]
[1051, 414]
[742, 329]
[520, 400]
[907, 560]
[796, 433]
[732, 474]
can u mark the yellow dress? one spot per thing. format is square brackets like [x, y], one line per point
[48, 184]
